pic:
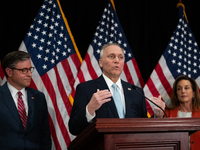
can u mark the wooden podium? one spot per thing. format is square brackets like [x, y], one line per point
[137, 134]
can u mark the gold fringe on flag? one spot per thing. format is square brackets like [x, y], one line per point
[180, 4]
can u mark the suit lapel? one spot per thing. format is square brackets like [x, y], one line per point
[7, 98]
[127, 99]
[31, 108]
[101, 84]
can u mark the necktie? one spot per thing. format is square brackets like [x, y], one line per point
[21, 109]
[118, 101]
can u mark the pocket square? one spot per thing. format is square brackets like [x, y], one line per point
[129, 89]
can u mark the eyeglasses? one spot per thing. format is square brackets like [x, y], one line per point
[25, 70]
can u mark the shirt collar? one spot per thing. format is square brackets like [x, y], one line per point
[110, 82]
[14, 91]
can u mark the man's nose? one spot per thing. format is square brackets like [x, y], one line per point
[116, 59]
[29, 73]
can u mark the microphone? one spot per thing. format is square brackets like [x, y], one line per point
[135, 88]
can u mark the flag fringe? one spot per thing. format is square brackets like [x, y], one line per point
[112, 1]
[181, 4]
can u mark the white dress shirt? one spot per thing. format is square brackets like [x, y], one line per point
[109, 84]
[14, 94]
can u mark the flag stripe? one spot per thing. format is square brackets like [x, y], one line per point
[152, 87]
[127, 74]
[68, 72]
[84, 71]
[62, 91]
[81, 76]
[2, 76]
[154, 92]
[166, 71]
[50, 89]
[163, 79]
[94, 61]
[53, 134]
[89, 65]
[76, 62]
[149, 105]
[1, 73]
[138, 76]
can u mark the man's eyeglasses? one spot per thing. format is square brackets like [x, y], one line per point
[25, 70]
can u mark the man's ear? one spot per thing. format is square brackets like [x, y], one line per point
[8, 71]
[100, 62]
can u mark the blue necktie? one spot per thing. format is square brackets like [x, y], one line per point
[118, 101]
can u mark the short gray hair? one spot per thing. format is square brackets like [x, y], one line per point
[109, 44]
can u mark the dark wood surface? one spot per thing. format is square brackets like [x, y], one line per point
[147, 124]
[137, 133]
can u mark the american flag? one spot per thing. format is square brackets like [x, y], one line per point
[109, 30]
[2, 76]
[181, 57]
[57, 61]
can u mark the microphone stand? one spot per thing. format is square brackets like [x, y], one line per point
[135, 88]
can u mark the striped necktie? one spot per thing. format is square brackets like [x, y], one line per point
[21, 109]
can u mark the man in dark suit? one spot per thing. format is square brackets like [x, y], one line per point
[96, 98]
[24, 119]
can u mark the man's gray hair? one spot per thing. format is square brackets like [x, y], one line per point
[109, 44]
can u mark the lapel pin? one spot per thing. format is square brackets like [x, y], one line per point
[129, 89]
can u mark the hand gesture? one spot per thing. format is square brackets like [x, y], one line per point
[98, 99]
[159, 113]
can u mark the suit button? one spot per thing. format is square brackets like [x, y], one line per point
[192, 142]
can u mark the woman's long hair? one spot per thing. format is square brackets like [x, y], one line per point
[195, 101]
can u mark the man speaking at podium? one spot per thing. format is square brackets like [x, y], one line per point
[107, 96]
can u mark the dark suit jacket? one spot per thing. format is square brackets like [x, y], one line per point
[12, 134]
[135, 104]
